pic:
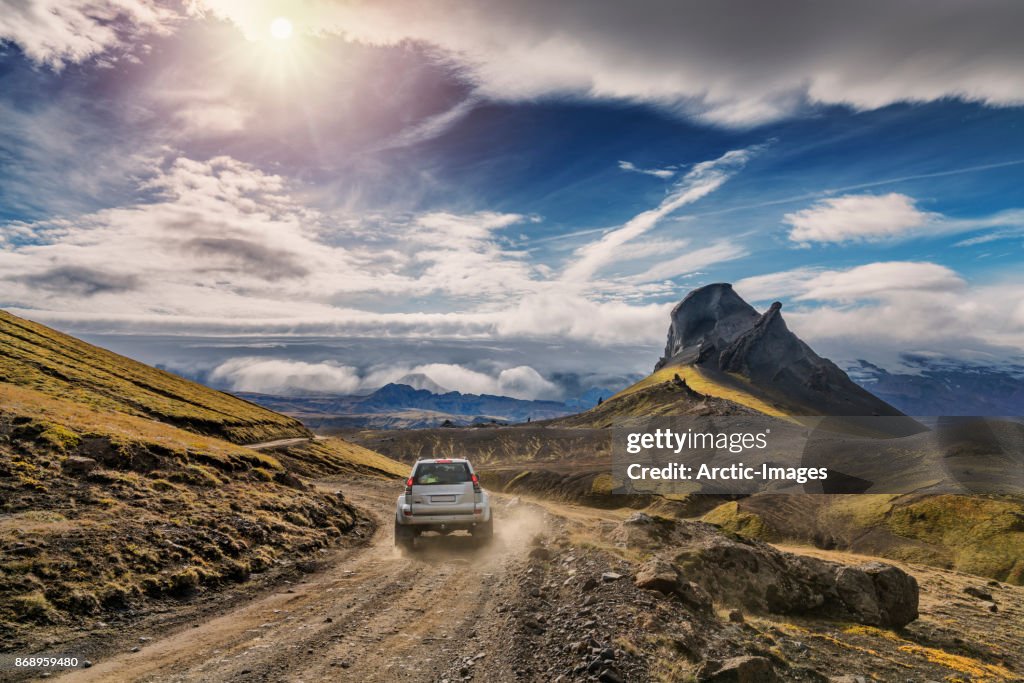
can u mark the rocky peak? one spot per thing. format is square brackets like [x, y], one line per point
[708, 318]
[715, 329]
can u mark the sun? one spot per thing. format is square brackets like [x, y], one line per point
[281, 29]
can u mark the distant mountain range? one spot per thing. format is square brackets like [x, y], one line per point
[943, 387]
[417, 401]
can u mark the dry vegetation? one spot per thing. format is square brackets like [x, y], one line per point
[123, 487]
[982, 535]
[37, 357]
[103, 513]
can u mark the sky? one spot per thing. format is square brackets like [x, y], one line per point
[508, 196]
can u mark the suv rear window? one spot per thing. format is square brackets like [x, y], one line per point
[428, 473]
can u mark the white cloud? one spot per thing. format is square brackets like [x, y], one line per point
[740, 62]
[893, 216]
[880, 310]
[663, 173]
[692, 260]
[285, 377]
[882, 280]
[863, 217]
[221, 247]
[703, 179]
[55, 32]
[288, 377]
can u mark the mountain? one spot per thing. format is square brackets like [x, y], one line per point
[418, 380]
[61, 366]
[402, 406]
[723, 356]
[936, 388]
[122, 486]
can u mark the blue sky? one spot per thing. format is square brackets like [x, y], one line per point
[508, 194]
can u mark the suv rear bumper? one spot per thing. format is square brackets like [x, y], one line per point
[449, 521]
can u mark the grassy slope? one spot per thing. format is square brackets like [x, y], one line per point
[163, 505]
[702, 383]
[332, 455]
[981, 535]
[35, 356]
[161, 514]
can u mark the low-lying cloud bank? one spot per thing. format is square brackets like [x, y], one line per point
[285, 377]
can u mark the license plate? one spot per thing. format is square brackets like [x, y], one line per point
[442, 499]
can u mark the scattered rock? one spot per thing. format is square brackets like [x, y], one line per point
[76, 464]
[736, 616]
[611, 675]
[608, 577]
[746, 669]
[980, 593]
[658, 575]
[540, 553]
[639, 518]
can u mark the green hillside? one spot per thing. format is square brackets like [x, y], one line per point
[37, 357]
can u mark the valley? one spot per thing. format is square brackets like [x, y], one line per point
[165, 531]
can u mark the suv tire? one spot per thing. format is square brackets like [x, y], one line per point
[405, 537]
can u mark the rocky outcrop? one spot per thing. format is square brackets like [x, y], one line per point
[763, 579]
[708, 318]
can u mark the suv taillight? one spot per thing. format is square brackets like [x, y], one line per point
[408, 485]
[476, 484]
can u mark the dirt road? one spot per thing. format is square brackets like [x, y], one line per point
[370, 615]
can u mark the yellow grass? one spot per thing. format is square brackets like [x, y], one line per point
[700, 382]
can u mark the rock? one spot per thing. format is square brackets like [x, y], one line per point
[608, 577]
[992, 607]
[540, 553]
[329, 620]
[534, 625]
[978, 592]
[611, 675]
[746, 669]
[736, 616]
[639, 518]
[896, 591]
[761, 578]
[86, 664]
[658, 575]
[695, 596]
[589, 584]
[878, 594]
[76, 464]
[709, 317]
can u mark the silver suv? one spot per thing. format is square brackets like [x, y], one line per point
[442, 495]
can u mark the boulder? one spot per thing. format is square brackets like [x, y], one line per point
[658, 575]
[746, 669]
[761, 578]
[77, 464]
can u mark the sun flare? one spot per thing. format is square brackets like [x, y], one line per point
[281, 28]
